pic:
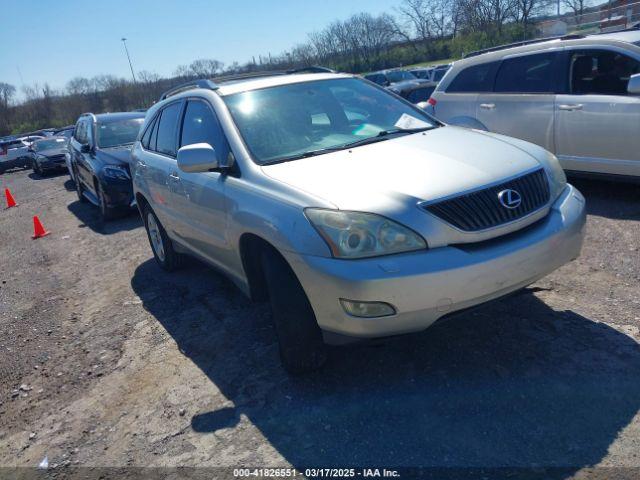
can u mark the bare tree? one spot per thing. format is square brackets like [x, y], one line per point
[201, 68]
[7, 92]
[577, 7]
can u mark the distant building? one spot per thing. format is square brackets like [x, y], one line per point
[619, 14]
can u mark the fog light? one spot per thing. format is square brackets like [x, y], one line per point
[367, 309]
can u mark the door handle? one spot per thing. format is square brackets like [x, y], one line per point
[488, 106]
[569, 108]
[174, 176]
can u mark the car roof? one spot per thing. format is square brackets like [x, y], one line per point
[247, 84]
[605, 39]
[117, 116]
[52, 137]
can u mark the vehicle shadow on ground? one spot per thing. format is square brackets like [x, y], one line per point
[89, 217]
[513, 383]
[48, 175]
[610, 199]
[69, 185]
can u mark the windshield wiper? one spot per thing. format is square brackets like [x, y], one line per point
[382, 136]
[379, 137]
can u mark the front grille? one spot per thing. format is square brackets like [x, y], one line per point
[482, 209]
[56, 158]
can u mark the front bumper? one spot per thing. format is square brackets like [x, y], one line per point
[424, 286]
[118, 193]
[49, 166]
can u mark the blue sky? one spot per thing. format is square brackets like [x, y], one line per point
[54, 41]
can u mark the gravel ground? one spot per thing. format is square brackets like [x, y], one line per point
[106, 361]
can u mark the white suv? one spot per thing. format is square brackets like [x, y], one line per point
[578, 97]
[354, 212]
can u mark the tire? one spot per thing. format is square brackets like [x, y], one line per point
[79, 189]
[106, 213]
[302, 349]
[161, 245]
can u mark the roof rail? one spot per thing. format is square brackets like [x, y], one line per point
[242, 76]
[271, 73]
[311, 69]
[521, 44]
[201, 83]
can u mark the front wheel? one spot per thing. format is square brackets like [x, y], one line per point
[161, 244]
[79, 189]
[106, 213]
[300, 339]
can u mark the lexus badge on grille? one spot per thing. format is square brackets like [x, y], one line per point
[510, 198]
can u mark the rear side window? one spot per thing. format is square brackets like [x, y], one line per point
[147, 134]
[200, 125]
[167, 125]
[478, 78]
[527, 74]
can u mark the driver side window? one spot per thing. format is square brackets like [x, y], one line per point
[200, 125]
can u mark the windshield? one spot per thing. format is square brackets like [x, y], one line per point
[438, 74]
[49, 144]
[281, 122]
[400, 75]
[116, 133]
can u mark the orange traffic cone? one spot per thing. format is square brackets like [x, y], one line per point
[10, 201]
[38, 229]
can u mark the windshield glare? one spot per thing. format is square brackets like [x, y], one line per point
[49, 144]
[116, 133]
[289, 120]
[400, 75]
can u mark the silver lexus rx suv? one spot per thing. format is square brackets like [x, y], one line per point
[578, 97]
[352, 211]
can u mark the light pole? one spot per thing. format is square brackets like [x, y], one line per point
[124, 42]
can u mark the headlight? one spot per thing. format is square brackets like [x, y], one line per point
[557, 177]
[358, 235]
[113, 171]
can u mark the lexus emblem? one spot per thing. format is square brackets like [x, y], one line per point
[510, 199]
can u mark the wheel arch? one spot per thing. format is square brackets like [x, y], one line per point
[251, 248]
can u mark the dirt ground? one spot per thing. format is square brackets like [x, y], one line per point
[106, 361]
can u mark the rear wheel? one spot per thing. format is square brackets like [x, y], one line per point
[300, 339]
[161, 244]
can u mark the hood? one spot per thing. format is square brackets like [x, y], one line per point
[52, 152]
[115, 155]
[392, 175]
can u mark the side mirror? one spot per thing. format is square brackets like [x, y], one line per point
[85, 148]
[199, 157]
[633, 87]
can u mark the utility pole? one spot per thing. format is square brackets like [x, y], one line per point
[124, 42]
